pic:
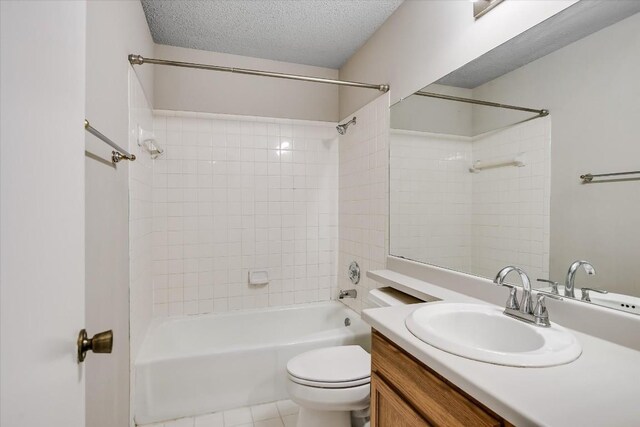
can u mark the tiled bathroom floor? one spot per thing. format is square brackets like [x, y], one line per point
[283, 413]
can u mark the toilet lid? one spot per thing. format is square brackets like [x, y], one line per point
[343, 364]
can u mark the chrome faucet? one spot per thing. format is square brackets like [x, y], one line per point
[524, 310]
[569, 284]
[525, 305]
[585, 293]
[347, 293]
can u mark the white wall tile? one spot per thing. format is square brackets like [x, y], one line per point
[238, 193]
[363, 197]
[510, 209]
[472, 222]
[431, 190]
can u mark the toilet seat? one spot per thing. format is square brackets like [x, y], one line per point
[321, 384]
[331, 367]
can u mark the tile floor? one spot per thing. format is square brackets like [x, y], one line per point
[283, 413]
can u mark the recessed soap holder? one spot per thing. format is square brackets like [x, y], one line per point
[258, 277]
[148, 141]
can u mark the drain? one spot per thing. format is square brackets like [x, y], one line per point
[347, 321]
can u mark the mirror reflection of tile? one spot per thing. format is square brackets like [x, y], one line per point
[530, 208]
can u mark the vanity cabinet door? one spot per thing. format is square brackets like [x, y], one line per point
[428, 394]
[388, 409]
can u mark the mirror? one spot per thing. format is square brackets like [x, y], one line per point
[475, 186]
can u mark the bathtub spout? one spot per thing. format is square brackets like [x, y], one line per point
[348, 293]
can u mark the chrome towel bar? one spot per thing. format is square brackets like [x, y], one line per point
[586, 178]
[119, 153]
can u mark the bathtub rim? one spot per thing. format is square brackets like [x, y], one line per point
[142, 357]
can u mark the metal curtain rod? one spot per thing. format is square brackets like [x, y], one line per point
[589, 176]
[541, 113]
[139, 60]
[116, 155]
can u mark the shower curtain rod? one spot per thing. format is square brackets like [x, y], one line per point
[540, 113]
[139, 60]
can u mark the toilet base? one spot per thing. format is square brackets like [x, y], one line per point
[312, 418]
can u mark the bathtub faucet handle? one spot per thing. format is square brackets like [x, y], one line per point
[347, 293]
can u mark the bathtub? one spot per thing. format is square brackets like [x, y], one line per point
[199, 364]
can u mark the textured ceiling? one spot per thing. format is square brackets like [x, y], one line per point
[572, 24]
[313, 32]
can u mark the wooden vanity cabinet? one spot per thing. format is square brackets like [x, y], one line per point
[406, 393]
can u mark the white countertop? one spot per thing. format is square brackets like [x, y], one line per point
[601, 388]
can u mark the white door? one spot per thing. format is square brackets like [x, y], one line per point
[42, 84]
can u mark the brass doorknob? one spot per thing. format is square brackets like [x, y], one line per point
[99, 343]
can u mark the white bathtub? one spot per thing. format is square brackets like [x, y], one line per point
[198, 364]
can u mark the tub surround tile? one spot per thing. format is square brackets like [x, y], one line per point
[235, 193]
[363, 197]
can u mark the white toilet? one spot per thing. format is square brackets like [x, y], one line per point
[328, 384]
[331, 384]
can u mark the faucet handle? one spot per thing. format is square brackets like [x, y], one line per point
[554, 285]
[540, 313]
[585, 293]
[512, 301]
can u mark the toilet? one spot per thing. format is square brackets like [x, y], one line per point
[332, 384]
[329, 384]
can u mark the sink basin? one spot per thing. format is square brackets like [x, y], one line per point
[483, 333]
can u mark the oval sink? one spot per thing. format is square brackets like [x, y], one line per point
[484, 333]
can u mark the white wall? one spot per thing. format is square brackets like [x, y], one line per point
[42, 72]
[234, 193]
[363, 197]
[592, 90]
[183, 89]
[426, 40]
[114, 29]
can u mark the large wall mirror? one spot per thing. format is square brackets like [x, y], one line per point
[476, 186]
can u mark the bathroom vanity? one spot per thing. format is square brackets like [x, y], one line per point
[406, 392]
[414, 383]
